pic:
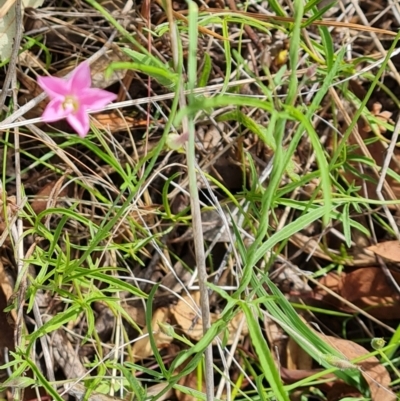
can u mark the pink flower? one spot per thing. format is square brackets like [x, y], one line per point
[71, 98]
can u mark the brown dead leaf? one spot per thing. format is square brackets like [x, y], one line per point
[297, 357]
[114, 122]
[383, 116]
[191, 325]
[360, 257]
[389, 250]
[211, 138]
[142, 348]
[372, 370]
[43, 197]
[186, 318]
[136, 313]
[367, 288]
[340, 391]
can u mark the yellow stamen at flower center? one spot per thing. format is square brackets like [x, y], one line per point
[70, 103]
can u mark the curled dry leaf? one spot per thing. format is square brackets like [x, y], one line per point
[367, 288]
[334, 388]
[372, 370]
[136, 313]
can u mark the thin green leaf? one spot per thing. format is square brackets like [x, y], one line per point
[205, 71]
[267, 362]
[328, 46]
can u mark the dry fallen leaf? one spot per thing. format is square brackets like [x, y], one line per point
[383, 116]
[142, 348]
[185, 316]
[297, 357]
[114, 122]
[372, 370]
[191, 325]
[48, 194]
[367, 288]
[389, 250]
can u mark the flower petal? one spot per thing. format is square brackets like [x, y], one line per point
[54, 87]
[79, 121]
[80, 78]
[95, 99]
[55, 111]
